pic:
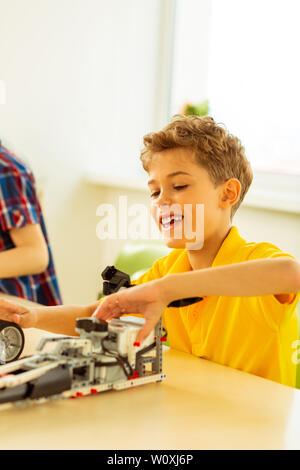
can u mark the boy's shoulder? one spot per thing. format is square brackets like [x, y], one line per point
[264, 250]
[246, 251]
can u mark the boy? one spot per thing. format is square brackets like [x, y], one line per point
[26, 265]
[247, 317]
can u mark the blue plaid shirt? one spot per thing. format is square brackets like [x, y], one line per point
[19, 206]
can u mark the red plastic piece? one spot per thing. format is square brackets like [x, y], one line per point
[93, 391]
[136, 343]
[79, 394]
[163, 339]
[135, 375]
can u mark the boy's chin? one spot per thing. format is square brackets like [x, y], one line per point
[183, 244]
[174, 243]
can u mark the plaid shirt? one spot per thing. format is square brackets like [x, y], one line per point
[19, 206]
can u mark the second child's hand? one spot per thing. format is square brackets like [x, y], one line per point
[147, 299]
[13, 312]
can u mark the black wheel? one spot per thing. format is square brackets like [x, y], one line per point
[12, 337]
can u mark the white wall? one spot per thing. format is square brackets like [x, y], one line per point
[280, 228]
[81, 78]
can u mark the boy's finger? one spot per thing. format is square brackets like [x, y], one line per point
[6, 306]
[21, 320]
[16, 319]
[108, 309]
[96, 313]
[102, 313]
[145, 331]
[6, 316]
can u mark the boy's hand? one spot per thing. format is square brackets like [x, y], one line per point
[16, 313]
[147, 299]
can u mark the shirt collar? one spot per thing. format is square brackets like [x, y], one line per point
[224, 256]
[229, 247]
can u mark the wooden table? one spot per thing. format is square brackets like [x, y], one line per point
[200, 405]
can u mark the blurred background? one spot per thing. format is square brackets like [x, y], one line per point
[81, 82]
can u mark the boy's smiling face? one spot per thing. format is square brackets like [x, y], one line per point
[178, 183]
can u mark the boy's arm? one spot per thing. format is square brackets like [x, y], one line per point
[30, 255]
[57, 319]
[246, 279]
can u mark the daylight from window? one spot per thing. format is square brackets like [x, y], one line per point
[249, 70]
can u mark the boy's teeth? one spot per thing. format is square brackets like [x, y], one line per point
[167, 220]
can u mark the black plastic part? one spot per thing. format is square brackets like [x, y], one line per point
[89, 325]
[108, 273]
[107, 288]
[53, 382]
[185, 302]
[114, 280]
[14, 394]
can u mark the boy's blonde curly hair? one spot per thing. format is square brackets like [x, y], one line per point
[219, 152]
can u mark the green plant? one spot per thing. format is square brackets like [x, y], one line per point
[201, 109]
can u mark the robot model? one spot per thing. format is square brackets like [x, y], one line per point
[104, 356]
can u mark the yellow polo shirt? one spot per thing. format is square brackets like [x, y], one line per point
[253, 334]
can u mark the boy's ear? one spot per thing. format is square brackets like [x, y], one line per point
[230, 193]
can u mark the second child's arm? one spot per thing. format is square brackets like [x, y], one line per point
[57, 319]
[30, 254]
[62, 318]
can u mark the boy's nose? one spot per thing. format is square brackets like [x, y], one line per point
[164, 200]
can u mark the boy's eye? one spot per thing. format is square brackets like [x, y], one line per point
[179, 188]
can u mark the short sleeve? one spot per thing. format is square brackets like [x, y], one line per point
[280, 306]
[18, 200]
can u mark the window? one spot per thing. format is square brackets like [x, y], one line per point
[243, 56]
